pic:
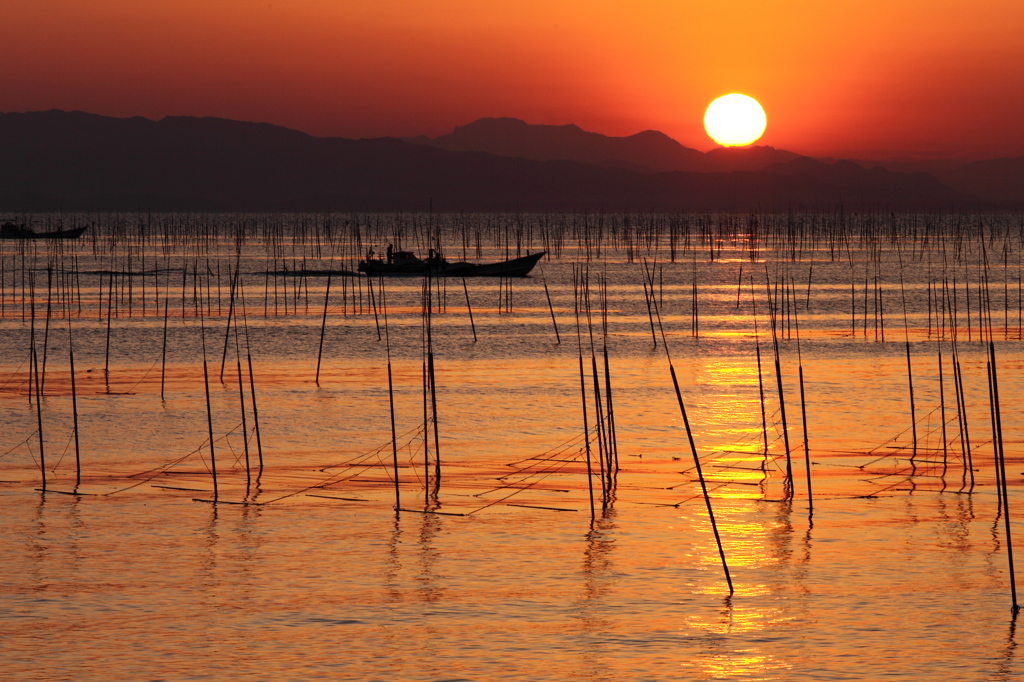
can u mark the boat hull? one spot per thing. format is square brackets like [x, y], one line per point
[58, 234]
[517, 267]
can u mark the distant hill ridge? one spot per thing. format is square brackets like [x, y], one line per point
[647, 150]
[57, 160]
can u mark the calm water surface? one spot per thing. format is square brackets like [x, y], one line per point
[901, 572]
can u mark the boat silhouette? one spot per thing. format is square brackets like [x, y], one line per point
[406, 264]
[10, 230]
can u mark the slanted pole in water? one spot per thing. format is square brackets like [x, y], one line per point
[106, 352]
[227, 329]
[391, 398]
[650, 313]
[373, 302]
[74, 406]
[46, 326]
[611, 413]
[469, 307]
[910, 374]
[942, 416]
[34, 369]
[1002, 468]
[995, 434]
[693, 450]
[700, 475]
[760, 377]
[782, 397]
[209, 408]
[323, 328]
[965, 436]
[433, 407]
[803, 411]
[252, 391]
[551, 308]
[577, 276]
[163, 349]
[241, 399]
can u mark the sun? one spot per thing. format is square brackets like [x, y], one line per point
[735, 120]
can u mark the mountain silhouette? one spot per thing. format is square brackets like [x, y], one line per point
[994, 181]
[650, 149]
[58, 160]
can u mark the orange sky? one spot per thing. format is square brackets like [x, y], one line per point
[864, 78]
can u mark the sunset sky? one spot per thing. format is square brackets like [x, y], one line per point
[864, 78]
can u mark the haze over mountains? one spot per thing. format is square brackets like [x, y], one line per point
[58, 160]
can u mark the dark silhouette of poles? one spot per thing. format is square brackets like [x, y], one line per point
[577, 276]
[209, 408]
[602, 447]
[391, 396]
[106, 352]
[803, 407]
[241, 400]
[782, 398]
[433, 407]
[31, 329]
[34, 369]
[469, 307]
[1002, 468]
[910, 375]
[942, 415]
[373, 302]
[74, 406]
[965, 438]
[46, 326]
[428, 304]
[650, 312]
[995, 434]
[163, 348]
[551, 308]
[693, 447]
[252, 390]
[323, 328]
[613, 441]
[227, 329]
[961, 411]
[760, 377]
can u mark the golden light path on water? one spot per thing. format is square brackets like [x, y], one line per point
[318, 577]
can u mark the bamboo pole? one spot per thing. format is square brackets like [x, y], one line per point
[577, 276]
[469, 307]
[227, 327]
[803, 412]
[1002, 467]
[391, 398]
[323, 328]
[693, 450]
[74, 407]
[34, 369]
[252, 389]
[772, 311]
[209, 408]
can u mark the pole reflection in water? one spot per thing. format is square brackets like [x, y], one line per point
[598, 577]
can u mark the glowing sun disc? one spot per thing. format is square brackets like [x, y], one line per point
[735, 120]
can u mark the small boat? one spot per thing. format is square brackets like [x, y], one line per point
[11, 231]
[406, 264]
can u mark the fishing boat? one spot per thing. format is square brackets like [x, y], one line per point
[406, 264]
[10, 230]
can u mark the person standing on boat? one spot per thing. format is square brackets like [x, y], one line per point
[369, 255]
[391, 253]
